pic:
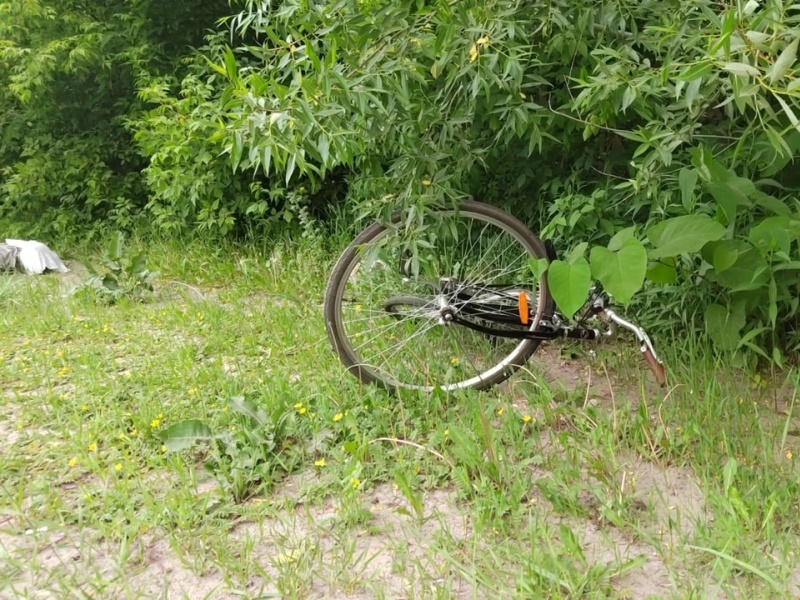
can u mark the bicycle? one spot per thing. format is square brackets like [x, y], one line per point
[452, 303]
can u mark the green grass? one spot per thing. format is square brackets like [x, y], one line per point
[341, 490]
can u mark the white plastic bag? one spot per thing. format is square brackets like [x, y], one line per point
[34, 257]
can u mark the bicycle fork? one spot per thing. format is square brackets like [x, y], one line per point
[648, 352]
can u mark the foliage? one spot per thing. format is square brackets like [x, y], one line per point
[633, 113]
[125, 275]
[248, 456]
[68, 75]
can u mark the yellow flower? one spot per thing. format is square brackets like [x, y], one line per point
[134, 433]
[338, 417]
[426, 181]
[73, 461]
[85, 407]
[500, 410]
[302, 411]
[789, 455]
[155, 423]
[92, 447]
[527, 418]
[26, 343]
[299, 405]
[446, 432]
[121, 435]
[319, 463]
[358, 307]
[355, 482]
[163, 448]
[118, 467]
[454, 360]
[473, 53]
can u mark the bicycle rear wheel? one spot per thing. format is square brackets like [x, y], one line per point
[392, 291]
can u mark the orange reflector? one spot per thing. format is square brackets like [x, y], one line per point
[523, 308]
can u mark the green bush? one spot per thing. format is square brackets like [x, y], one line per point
[68, 76]
[640, 119]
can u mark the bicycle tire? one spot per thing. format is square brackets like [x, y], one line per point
[530, 246]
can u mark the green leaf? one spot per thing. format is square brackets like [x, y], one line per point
[725, 256]
[323, 147]
[628, 97]
[749, 272]
[185, 434]
[239, 405]
[569, 284]
[622, 272]
[267, 160]
[110, 283]
[730, 192]
[772, 234]
[237, 149]
[116, 247]
[789, 112]
[773, 302]
[740, 68]
[684, 234]
[772, 204]
[723, 327]
[230, 65]
[687, 180]
[622, 236]
[577, 252]
[783, 62]
[138, 264]
[662, 271]
[695, 71]
[539, 267]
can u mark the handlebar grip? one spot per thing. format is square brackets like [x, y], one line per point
[655, 366]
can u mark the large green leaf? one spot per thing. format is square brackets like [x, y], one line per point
[731, 193]
[681, 235]
[662, 271]
[622, 272]
[569, 284]
[773, 233]
[723, 326]
[749, 272]
[185, 434]
[619, 238]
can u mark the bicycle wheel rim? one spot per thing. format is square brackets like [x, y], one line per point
[403, 365]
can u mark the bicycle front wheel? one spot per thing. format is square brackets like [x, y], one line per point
[395, 298]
